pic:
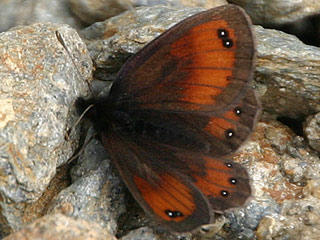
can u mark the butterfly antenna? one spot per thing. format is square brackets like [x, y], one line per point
[71, 129]
[60, 39]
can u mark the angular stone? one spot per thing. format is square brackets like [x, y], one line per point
[39, 86]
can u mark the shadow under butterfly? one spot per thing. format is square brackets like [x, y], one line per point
[176, 112]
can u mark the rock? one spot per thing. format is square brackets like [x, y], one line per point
[16, 12]
[96, 193]
[95, 11]
[58, 226]
[287, 74]
[39, 86]
[312, 131]
[141, 234]
[283, 166]
[207, 4]
[278, 12]
[285, 181]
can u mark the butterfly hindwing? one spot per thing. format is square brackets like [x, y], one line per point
[164, 193]
[178, 188]
[225, 184]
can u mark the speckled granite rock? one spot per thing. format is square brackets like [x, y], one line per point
[266, 11]
[58, 226]
[287, 74]
[312, 131]
[39, 84]
[90, 11]
[96, 193]
[180, 3]
[141, 234]
[16, 12]
[285, 180]
[284, 169]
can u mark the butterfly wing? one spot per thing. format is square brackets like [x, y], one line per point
[216, 134]
[176, 186]
[177, 108]
[161, 190]
[204, 63]
[225, 184]
[199, 70]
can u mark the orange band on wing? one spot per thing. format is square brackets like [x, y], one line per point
[207, 62]
[168, 194]
[200, 94]
[218, 126]
[217, 178]
[211, 59]
[231, 115]
[212, 77]
[201, 38]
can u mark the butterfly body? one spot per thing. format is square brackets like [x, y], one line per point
[175, 113]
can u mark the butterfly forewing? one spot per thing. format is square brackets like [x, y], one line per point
[199, 70]
[201, 64]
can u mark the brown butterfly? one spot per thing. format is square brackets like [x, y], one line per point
[175, 113]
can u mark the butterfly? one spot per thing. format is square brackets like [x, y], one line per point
[176, 112]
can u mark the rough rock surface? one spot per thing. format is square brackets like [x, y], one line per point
[40, 83]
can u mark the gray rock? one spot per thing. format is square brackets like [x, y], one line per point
[287, 74]
[17, 12]
[312, 131]
[96, 193]
[58, 226]
[39, 84]
[278, 12]
[285, 185]
[95, 11]
[180, 3]
[284, 170]
[141, 234]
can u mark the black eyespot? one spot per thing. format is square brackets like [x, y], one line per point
[229, 165]
[222, 33]
[173, 214]
[228, 78]
[233, 181]
[224, 193]
[237, 111]
[228, 43]
[229, 133]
